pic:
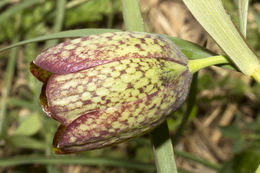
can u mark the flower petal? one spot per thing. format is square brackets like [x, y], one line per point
[83, 53]
[109, 85]
[109, 126]
[44, 101]
[40, 73]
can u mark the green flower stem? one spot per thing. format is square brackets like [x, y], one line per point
[213, 17]
[196, 65]
[163, 149]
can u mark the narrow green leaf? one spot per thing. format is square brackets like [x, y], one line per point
[6, 88]
[63, 34]
[29, 126]
[58, 20]
[213, 17]
[243, 11]
[21, 160]
[163, 149]
[197, 159]
[17, 8]
[132, 16]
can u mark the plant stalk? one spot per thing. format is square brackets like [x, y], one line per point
[198, 64]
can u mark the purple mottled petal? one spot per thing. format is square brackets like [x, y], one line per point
[86, 52]
[116, 124]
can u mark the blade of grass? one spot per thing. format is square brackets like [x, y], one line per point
[132, 16]
[79, 160]
[6, 88]
[197, 159]
[17, 8]
[243, 11]
[145, 142]
[213, 17]
[58, 21]
[163, 149]
[63, 34]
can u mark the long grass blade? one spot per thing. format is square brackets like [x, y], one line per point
[63, 34]
[197, 159]
[163, 149]
[58, 20]
[132, 16]
[243, 12]
[53, 160]
[6, 89]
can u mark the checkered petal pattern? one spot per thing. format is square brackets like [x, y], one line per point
[108, 88]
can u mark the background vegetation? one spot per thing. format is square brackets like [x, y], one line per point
[222, 133]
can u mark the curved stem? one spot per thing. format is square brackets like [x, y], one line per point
[196, 65]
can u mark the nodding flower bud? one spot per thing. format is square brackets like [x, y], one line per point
[108, 88]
